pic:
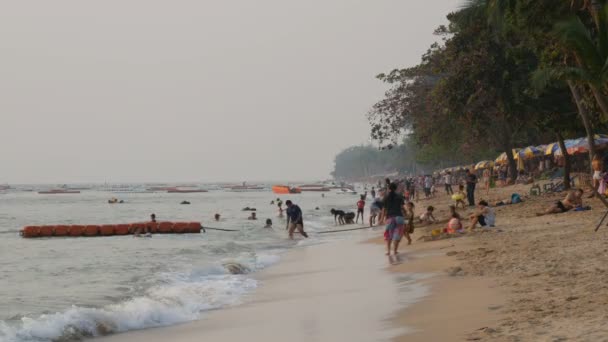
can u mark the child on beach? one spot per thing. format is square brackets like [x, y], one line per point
[459, 196]
[360, 209]
[428, 217]
[409, 221]
[375, 209]
[454, 224]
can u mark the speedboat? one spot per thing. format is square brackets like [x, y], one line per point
[346, 191]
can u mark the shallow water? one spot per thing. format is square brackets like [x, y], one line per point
[68, 288]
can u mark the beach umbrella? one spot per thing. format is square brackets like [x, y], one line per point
[484, 164]
[551, 148]
[502, 158]
[530, 152]
[570, 143]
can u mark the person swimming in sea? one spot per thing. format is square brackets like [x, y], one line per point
[268, 223]
[216, 217]
[252, 216]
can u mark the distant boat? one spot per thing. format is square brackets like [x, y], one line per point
[284, 189]
[162, 188]
[314, 187]
[58, 191]
[185, 191]
[244, 188]
[346, 191]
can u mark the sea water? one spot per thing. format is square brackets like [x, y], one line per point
[61, 289]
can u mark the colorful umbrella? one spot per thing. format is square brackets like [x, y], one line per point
[570, 143]
[530, 152]
[551, 148]
[502, 158]
[484, 164]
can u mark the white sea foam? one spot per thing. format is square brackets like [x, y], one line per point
[180, 297]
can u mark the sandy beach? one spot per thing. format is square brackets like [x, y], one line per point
[529, 279]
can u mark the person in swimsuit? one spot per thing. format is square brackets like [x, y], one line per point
[486, 180]
[573, 199]
[360, 209]
[597, 166]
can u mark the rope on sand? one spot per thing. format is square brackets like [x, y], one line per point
[343, 230]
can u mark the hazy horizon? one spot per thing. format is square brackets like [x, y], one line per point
[196, 91]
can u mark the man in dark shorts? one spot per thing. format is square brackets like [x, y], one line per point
[471, 179]
[573, 200]
[294, 219]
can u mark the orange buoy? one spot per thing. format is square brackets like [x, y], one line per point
[137, 228]
[46, 231]
[30, 231]
[152, 227]
[165, 227]
[179, 227]
[62, 230]
[111, 229]
[193, 227]
[107, 229]
[76, 230]
[121, 229]
[91, 230]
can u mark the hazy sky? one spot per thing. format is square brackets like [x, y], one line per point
[201, 90]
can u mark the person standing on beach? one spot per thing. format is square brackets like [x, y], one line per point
[447, 179]
[471, 180]
[294, 219]
[394, 212]
[486, 175]
[373, 193]
[360, 210]
[597, 166]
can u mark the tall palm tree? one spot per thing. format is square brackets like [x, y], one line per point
[591, 55]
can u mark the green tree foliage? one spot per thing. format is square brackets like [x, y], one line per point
[473, 95]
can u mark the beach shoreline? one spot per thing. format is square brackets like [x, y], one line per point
[514, 282]
[317, 292]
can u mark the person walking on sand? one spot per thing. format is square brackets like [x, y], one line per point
[394, 212]
[471, 180]
[447, 179]
[294, 219]
[360, 209]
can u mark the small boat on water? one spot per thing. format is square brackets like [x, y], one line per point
[58, 191]
[162, 188]
[346, 191]
[185, 191]
[314, 187]
[284, 189]
[244, 188]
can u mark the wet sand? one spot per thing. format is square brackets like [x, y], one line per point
[332, 292]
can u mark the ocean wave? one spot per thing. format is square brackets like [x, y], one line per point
[180, 297]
